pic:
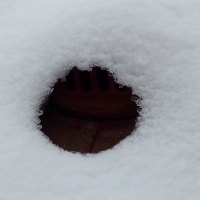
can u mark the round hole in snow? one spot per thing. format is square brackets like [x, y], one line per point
[89, 112]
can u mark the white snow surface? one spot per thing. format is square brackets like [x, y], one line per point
[152, 46]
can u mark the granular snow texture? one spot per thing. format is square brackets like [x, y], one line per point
[152, 46]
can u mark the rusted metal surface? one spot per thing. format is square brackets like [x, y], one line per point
[89, 112]
[85, 136]
[94, 94]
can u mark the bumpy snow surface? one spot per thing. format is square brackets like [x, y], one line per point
[150, 45]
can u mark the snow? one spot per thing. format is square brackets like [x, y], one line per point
[150, 45]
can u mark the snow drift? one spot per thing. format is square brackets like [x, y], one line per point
[150, 45]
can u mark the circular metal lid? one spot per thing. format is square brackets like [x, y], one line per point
[94, 94]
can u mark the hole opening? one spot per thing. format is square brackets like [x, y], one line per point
[89, 112]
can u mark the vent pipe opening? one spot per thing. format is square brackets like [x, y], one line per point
[89, 112]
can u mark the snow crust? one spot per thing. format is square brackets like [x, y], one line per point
[150, 45]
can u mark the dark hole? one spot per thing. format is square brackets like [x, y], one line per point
[69, 82]
[102, 78]
[89, 112]
[85, 80]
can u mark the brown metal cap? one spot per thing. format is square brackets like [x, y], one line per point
[94, 94]
[89, 112]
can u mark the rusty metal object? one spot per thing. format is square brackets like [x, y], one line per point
[89, 112]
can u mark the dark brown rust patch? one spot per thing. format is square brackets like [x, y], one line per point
[89, 112]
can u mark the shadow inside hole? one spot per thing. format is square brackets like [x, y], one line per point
[89, 112]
